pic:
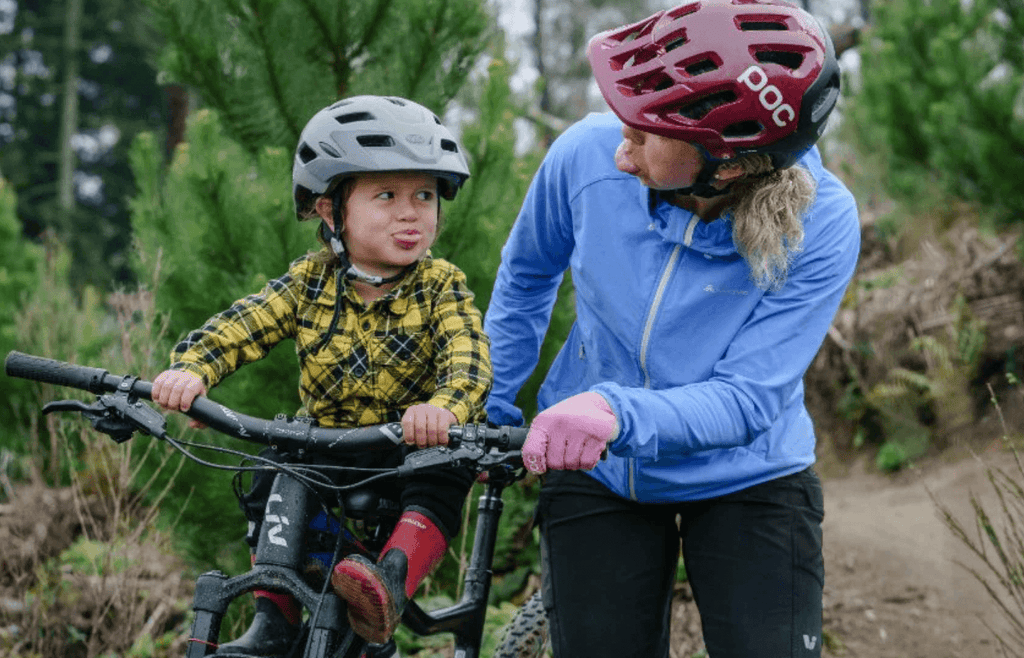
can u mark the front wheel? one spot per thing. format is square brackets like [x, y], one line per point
[527, 635]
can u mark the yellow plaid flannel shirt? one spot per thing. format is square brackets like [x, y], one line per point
[422, 342]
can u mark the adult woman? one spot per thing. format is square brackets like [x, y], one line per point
[709, 250]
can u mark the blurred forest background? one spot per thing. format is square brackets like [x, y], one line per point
[145, 154]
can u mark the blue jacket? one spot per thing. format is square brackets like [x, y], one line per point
[703, 369]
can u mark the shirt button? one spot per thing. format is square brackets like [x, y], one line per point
[359, 372]
[366, 325]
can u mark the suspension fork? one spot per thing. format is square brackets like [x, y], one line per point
[277, 566]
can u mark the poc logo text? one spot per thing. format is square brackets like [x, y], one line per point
[771, 98]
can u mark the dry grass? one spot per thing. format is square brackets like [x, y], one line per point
[996, 538]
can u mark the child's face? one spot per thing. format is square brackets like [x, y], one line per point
[390, 220]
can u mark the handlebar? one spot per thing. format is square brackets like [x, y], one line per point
[292, 434]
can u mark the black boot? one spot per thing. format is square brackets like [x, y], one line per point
[375, 593]
[269, 636]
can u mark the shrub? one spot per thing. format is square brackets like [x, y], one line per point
[20, 263]
[943, 91]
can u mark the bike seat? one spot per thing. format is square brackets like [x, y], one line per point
[368, 505]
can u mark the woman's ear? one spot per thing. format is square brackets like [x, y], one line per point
[323, 208]
[729, 172]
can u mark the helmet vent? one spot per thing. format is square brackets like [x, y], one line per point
[306, 154]
[645, 84]
[330, 150]
[826, 101]
[375, 141]
[790, 60]
[449, 145]
[743, 129]
[635, 58]
[632, 36]
[699, 109]
[354, 116]
[675, 43]
[761, 26]
[701, 66]
[685, 10]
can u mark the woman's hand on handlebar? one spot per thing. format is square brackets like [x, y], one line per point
[425, 426]
[175, 390]
[570, 435]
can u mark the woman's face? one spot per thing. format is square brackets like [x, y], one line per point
[661, 163]
[390, 220]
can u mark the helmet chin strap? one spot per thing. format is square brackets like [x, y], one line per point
[348, 268]
[702, 186]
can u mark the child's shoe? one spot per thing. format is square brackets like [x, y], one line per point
[377, 593]
[272, 631]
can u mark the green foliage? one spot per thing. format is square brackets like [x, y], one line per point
[892, 456]
[267, 66]
[943, 91]
[20, 263]
[117, 94]
[55, 322]
[913, 408]
[486, 207]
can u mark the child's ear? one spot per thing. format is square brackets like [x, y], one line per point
[323, 208]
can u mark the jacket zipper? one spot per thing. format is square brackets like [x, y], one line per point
[659, 294]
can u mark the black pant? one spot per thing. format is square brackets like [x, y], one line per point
[753, 559]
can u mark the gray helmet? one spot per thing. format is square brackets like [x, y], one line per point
[374, 133]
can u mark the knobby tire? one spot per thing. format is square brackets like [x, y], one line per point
[527, 635]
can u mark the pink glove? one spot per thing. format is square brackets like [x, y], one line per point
[570, 435]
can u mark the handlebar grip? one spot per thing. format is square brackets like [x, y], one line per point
[517, 437]
[50, 371]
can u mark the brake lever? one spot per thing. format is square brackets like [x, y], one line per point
[118, 415]
[425, 458]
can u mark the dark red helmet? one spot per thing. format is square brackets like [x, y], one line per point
[732, 76]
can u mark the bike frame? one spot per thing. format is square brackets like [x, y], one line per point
[278, 564]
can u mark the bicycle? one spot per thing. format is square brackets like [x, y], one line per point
[298, 516]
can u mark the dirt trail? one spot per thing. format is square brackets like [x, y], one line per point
[894, 588]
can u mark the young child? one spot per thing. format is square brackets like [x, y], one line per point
[383, 332]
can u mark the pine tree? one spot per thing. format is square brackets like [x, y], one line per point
[267, 66]
[110, 68]
[943, 90]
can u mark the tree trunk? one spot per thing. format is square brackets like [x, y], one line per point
[177, 110]
[69, 112]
